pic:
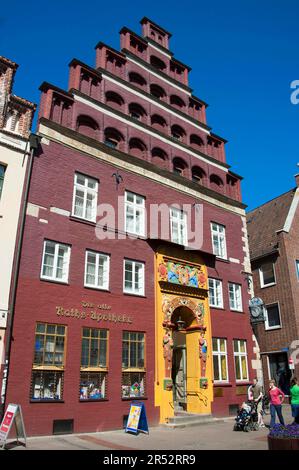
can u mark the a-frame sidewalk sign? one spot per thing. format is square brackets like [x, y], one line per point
[137, 420]
[13, 415]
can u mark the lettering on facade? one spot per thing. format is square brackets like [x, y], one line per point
[98, 313]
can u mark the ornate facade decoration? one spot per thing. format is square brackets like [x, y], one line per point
[182, 274]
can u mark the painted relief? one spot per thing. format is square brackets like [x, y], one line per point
[203, 351]
[182, 274]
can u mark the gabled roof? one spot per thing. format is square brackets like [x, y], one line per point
[264, 221]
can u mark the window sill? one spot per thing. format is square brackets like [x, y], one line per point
[222, 384]
[133, 398]
[97, 288]
[84, 221]
[90, 400]
[224, 260]
[217, 308]
[54, 281]
[268, 285]
[236, 311]
[273, 328]
[135, 295]
[32, 400]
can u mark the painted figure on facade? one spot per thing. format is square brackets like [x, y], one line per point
[203, 349]
[167, 353]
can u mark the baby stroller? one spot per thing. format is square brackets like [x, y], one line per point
[247, 418]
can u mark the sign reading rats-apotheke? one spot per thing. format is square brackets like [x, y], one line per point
[98, 313]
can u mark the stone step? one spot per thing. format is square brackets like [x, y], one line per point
[184, 419]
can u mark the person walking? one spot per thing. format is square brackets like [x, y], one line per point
[294, 391]
[255, 393]
[276, 399]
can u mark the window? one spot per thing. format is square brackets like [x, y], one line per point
[85, 197]
[215, 293]
[93, 372]
[178, 226]
[133, 277]
[297, 261]
[267, 275]
[48, 362]
[56, 258]
[272, 317]
[240, 356]
[235, 296]
[220, 360]
[2, 172]
[134, 214]
[133, 364]
[96, 270]
[218, 240]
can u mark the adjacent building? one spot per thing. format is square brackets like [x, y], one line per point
[273, 230]
[15, 122]
[112, 306]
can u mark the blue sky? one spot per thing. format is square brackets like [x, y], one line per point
[243, 54]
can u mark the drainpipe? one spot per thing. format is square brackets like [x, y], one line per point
[34, 142]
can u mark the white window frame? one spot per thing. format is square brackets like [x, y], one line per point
[239, 355]
[237, 308]
[179, 217]
[220, 353]
[86, 190]
[135, 207]
[134, 263]
[68, 256]
[262, 284]
[221, 235]
[106, 258]
[276, 327]
[215, 281]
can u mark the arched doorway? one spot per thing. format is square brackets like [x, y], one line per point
[183, 320]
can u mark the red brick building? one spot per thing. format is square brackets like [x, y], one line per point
[273, 230]
[105, 314]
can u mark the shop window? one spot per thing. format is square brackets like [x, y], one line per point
[240, 357]
[2, 174]
[96, 270]
[272, 320]
[267, 275]
[133, 277]
[56, 259]
[85, 197]
[235, 297]
[220, 360]
[94, 371]
[133, 365]
[48, 362]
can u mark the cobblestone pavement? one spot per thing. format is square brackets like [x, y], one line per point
[217, 435]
